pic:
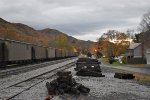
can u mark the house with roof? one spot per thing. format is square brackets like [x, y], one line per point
[135, 54]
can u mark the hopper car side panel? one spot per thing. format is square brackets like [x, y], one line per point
[51, 53]
[58, 53]
[18, 51]
[39, 52]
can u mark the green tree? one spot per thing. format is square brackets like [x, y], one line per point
[62, 41]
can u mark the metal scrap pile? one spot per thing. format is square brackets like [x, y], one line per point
[65, 84]
[88, 67]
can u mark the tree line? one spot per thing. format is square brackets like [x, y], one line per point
[115, 43]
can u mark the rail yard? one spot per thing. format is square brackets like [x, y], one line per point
[74, 50]
[35, 76]
[31, 85]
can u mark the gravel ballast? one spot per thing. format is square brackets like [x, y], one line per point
[101, 88]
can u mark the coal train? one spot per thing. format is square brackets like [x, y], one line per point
[16, 52]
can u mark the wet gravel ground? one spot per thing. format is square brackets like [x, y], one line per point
[101, 88]
[11, 80]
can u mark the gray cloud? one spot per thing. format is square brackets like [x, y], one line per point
[79, 18]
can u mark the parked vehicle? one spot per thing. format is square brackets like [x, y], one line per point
[111, 60]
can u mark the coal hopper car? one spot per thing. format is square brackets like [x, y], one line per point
[16, 52]
[38, 53]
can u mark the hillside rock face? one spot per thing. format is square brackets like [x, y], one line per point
[46, 37]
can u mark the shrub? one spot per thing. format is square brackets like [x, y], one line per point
[124, 60]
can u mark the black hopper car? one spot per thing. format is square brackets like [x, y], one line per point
[16, 52]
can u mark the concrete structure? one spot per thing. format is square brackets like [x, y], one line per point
[148, 56]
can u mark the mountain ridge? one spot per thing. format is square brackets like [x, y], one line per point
[46, 37]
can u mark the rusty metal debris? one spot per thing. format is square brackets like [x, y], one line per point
[64, 83]
[88, 67]
[124, 76]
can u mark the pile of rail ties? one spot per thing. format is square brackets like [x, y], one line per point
[64, 83]
[91, 67]
[88, 67]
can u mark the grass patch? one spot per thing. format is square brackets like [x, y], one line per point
[117, 64]
[105, 61]
[128, 65]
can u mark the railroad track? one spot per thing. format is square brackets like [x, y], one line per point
[15, 89]
[23, 69]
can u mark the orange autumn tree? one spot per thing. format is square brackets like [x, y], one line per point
[112, 43]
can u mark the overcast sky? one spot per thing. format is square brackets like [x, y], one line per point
[83, 19]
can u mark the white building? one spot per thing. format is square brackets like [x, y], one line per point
[148, 56]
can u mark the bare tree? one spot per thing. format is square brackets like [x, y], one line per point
[145, 31]
[130, 33]
[145, 23]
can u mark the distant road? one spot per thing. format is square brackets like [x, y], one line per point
[133, 69]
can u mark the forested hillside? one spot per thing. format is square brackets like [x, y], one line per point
[46, 37]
